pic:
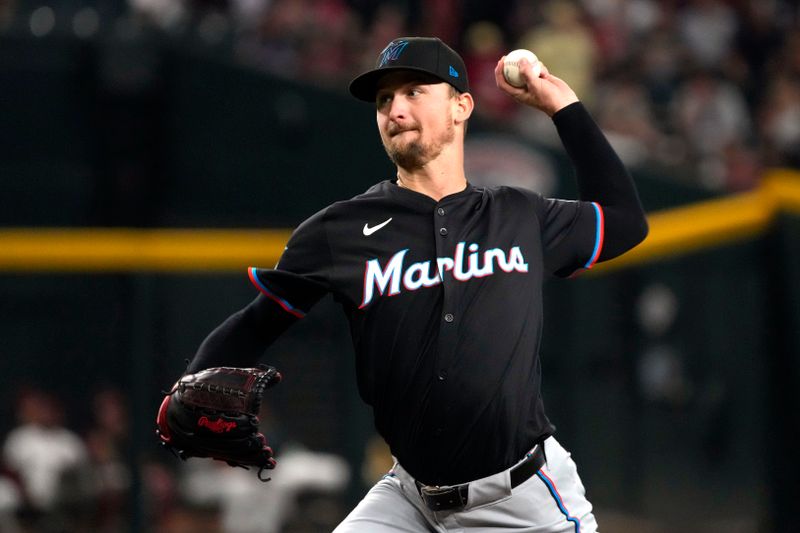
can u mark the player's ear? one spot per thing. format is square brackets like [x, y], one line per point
[464, 106]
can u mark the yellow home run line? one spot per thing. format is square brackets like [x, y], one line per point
[672, 232]
[713, 223]
[120, 250]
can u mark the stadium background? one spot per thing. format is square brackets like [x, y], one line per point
[150, 151]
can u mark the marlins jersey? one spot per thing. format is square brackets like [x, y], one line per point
[444, 301]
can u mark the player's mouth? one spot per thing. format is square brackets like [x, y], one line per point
[394, 131]
[400, 132]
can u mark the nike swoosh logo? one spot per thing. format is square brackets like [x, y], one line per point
[369, 231]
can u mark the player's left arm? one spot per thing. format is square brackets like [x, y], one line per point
[600, 174]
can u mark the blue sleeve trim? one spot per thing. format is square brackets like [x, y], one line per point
[289, 308]
[599, 235]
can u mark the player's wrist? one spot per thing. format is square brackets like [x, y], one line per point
[564, 107]
[560, 105]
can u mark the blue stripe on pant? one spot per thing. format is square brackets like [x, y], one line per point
[557, 497]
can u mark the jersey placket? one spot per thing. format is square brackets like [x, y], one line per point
[444, 233]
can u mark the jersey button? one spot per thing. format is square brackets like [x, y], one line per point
[443, 231]
[440, 211]
[449, 317]
[443, 375]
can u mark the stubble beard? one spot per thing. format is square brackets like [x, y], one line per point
[416, 154]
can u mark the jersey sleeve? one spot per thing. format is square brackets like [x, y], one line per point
[572, 234]
[302, 276]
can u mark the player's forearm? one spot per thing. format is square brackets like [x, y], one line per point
[602, 177]
[241, 339]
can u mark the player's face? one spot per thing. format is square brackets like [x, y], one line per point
[415, 118]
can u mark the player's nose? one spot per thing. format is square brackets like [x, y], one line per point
[398, 108]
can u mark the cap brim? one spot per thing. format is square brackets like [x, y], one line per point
[365, 86]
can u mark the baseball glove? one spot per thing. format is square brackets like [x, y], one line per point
[214, 413]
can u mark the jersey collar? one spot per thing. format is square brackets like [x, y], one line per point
[419, 200]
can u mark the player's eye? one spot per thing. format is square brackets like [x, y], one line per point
[382, 99]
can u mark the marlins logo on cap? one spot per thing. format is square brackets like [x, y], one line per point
[427, 55]
[392, 52]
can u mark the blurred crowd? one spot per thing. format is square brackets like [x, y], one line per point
[708, 90]
[59, 475]
[53, 478]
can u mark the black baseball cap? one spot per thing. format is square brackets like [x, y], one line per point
[428, 55]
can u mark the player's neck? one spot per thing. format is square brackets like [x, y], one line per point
[437, 187]
[435, 179]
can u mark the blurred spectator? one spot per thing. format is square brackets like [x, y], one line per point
[758, 41]
[710, 113]
[626, 117]
[708, 28]
[106, 442]
[10, 501]
[521, 18]
[165, 14]
[274, 44]
[659, 65]
[484, 44]
[788, 59]
[743, 167]
[611, 32]
[779, 122]
[644, 16]
[387, 23]
[327, 52]
[247, 12]
[565, 44]
[442, 18]
[50, 459]
[311, 40]
[161, 502]
[247, 505]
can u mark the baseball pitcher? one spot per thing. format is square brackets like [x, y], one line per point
[441, 282]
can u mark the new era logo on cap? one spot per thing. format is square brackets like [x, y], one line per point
[427, 55]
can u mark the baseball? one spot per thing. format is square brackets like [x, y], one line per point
[511, 66]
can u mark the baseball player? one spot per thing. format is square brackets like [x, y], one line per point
[441, 282]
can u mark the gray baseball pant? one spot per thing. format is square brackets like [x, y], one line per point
[553, 500]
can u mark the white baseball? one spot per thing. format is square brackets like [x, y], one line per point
[511, 66]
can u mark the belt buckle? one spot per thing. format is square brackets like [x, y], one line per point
[442, 499]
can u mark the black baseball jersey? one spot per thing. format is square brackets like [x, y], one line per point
[444, 301]
[445, 310]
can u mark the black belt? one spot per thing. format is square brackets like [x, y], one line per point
[443, 499]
